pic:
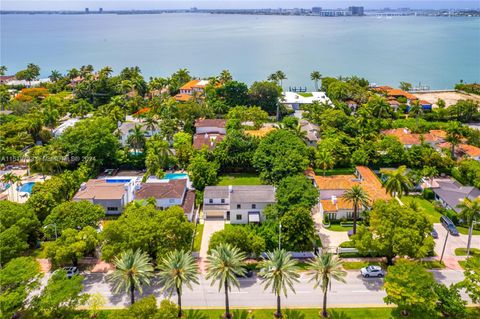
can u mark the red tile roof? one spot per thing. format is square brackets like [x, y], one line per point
[174, 188]
[205, 139]
[210, 123]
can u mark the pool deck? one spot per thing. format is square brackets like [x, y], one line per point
[12, 194]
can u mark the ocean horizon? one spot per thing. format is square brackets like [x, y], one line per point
[434, 51]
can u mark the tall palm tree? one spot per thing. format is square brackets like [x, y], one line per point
[281, 76]
[397, 181]
[357, 196]
[324, 269]
[55, 76]
[279, 271]
[225, 263]
[177, 269]
[315, 76]
[132, 271]
[136, 139]
[10, 179]
[416, 109]
[150, 122]
[455, 134]
[325, 160]
[225, 76]
[470, 213]
[273, 77]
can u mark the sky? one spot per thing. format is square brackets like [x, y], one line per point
[222, 4]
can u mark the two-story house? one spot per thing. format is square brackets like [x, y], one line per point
[168, 193]
[237, 204]
[209, 132]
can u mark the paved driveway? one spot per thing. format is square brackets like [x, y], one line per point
[453, 242]
[330, 239]
[211, 226]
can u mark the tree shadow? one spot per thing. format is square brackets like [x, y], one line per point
[375, 284]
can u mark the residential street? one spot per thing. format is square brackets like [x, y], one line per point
[357, 292]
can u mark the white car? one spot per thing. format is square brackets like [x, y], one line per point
[372, 271]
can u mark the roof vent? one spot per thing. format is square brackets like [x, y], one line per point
[83, 186]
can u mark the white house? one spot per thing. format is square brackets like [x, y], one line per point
[237, 204]
[126, 128]
[296, 100]
[62, 127]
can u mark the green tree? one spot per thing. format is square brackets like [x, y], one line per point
[405, 86]
[61, 296]
[395, 230]
[455, 133]
[178, 269]
[153, 231]
[233, 93]
[72, 245]
[76, 215]
[225, 76]
[240, 237]
[295, 190]
[159, 156]
[225, 263]
[202, 172]
[182, 143]
[409, 286]
[280, 154]
[379, 106]
[397, 182]
[359, 198]
[471, 283]
[265, 95]
[324, 159]
[416, 109]
[279, 271]
[17, 279]
[132, 271]
[315, 76]
[55, 76]
[323, 270]
[280, 75]
[29, 74]
[96, 302]
[450, 303]
[46, 159]
[136, 139]
[470, 212]
[18, 230]
[298, 229]
[248, 114]
[3, 69]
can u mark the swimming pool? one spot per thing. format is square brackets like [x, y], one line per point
[175, 176]
[27, 187]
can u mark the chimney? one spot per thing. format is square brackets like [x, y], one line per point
[83, 186]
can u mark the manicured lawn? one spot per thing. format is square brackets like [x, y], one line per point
[425, 205]
[464, 230]
[306, 94]
[462, 263]
[198, 237]
[336, 171]
[338, 227]
[463, 252]
[239, 179]
[352, 265]
[432, 264]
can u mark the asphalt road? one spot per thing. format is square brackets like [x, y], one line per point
[357, 292]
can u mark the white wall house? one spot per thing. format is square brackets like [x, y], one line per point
[296, 100]
[237, 204]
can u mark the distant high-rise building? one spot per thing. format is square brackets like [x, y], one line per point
[356, 11]
[100, 10]
[87, 10]
[317, 10]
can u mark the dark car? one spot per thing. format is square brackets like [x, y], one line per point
[449, 225]
[434, 234]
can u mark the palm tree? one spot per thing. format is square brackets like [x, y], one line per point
[454, 135]
[177, 269]
[417, 110]
[280, 77]
[10, 179]
[55, 76]
[225, 76]
[132, 270]
[470, 213]
[397, 181]
[315, 76]
[325, 160]
[279, 271]
[106, 71]
[225, 263]
[136, 139]
[273, 77]
[323, 270]
[357, 196]
[3, 69]
[150, 122]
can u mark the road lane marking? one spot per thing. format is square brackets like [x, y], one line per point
[359, 290]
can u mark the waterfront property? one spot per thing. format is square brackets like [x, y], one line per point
[449, 193]
[208, 133]
[190, 89]
[111, 193]
[394, 97]
[237, 204]
[168, 193]
[333, 187]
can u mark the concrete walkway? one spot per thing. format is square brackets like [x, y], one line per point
[210, 226]
[330, 239]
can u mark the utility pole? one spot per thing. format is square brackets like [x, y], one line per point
[279, 236]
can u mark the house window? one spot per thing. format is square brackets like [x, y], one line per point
[239, 216]
[223, 200]
[112, 209]
[210, 201]
[239, 206]
[254, 206]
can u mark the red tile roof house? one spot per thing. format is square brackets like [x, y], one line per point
[192, 87]
[168, 193]
[209, 132]
[408, 139]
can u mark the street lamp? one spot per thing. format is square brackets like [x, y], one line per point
[54, 226]
[279, 236]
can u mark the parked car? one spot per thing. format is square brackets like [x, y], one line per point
[434, 234]
[71, 271]
[372, 271]
[449, 225]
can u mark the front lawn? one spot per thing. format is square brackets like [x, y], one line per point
[305, 94]
[463, 252]
[426, 206]
[239, 179]
[464, 230]
[338, 227]
[352, 265]
[198, 237]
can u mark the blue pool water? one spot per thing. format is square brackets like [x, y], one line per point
[118, 180]
[27, 187]
[175, 176]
